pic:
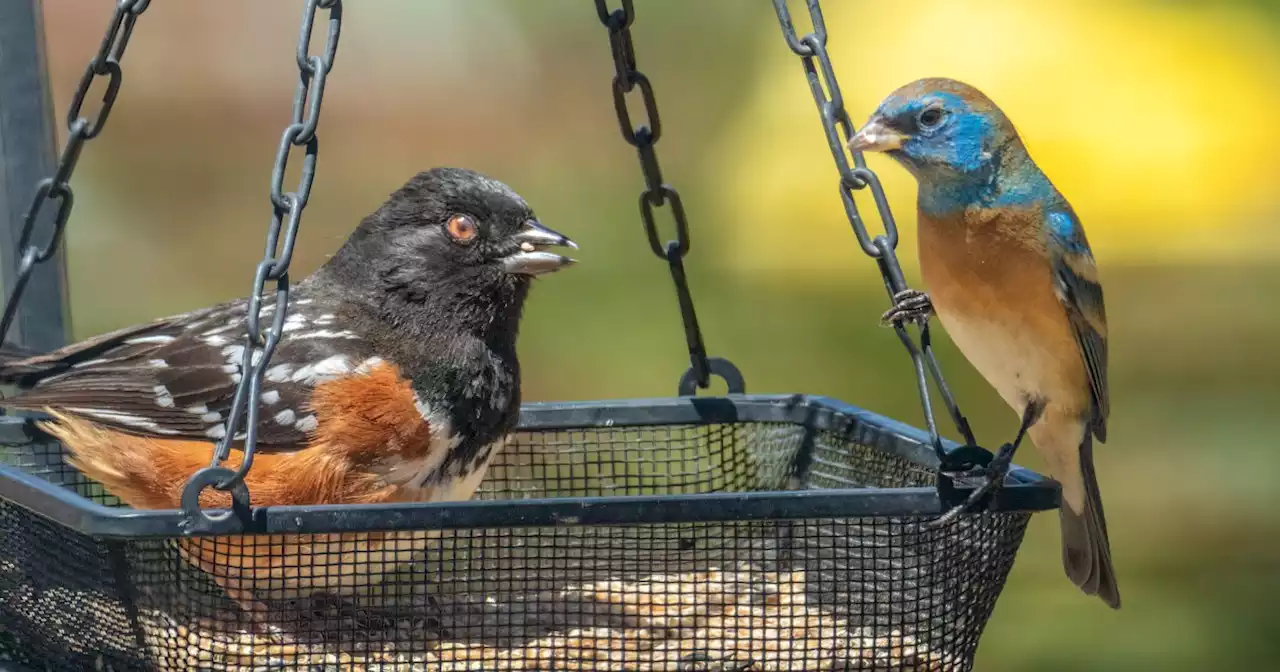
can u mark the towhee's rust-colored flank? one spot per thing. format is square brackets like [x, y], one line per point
[362, 421]
[395, 380]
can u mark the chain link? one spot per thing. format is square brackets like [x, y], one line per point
[286, 215]
[812, 50]
[80, 129]
[657, 194]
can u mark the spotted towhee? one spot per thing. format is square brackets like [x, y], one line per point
[395, 380]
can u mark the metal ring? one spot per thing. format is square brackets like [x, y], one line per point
[312, 86]
[627, 12]
[44, 193]
[823, 74]
[288, 140]
[254, 312]
[335, 30]
[666, 193]
[59, 221]
[649, 167]
[720, 367]
[789, 29]
[962, 458]
[882, 203]
[200, 520]
[110, 70]
[629, 130]
[279, 265]
[304, 37]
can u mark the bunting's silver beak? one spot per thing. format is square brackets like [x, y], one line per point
[876, 136]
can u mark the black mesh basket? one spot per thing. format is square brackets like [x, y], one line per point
[729, 533]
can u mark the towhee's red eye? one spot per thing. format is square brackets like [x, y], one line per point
[462, 228]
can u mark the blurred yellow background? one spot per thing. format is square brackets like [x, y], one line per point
[1156, 118]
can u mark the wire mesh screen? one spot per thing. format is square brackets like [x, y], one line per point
[817, 594]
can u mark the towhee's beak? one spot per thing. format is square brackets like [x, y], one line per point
[530, 259]
[876, 136]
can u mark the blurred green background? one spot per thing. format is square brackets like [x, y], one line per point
[1157, 119]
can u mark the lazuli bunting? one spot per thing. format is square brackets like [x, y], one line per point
[1010, 274]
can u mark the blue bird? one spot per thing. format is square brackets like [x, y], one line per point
[1010, 275]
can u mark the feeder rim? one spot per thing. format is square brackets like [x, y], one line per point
[1024, 491]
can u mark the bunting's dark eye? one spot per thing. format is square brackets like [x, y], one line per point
[930, 118]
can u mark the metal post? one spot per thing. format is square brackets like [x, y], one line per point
[28, 154]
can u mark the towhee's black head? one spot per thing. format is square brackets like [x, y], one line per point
[453, 240]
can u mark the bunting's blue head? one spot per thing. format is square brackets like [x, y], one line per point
[938, 128]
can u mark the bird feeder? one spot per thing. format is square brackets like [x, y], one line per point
[736, 532]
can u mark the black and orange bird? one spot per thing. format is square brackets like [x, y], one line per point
[395, 380]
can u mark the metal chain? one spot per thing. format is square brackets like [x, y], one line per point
[812, 50]
[80, 129]
[287, 207]
[658, 194]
